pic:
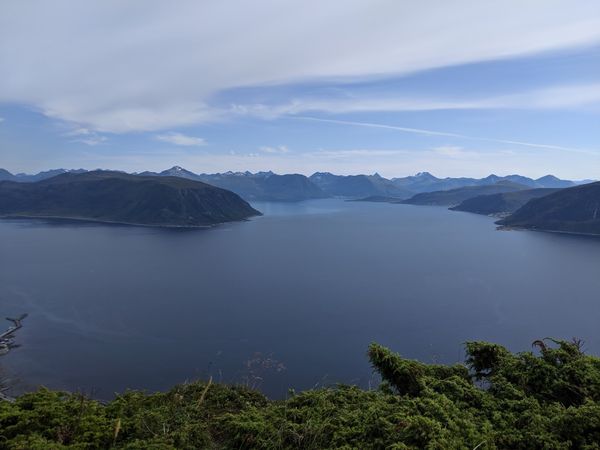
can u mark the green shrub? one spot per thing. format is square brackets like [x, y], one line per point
[497, 400]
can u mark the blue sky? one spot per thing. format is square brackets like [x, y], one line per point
[395, 87]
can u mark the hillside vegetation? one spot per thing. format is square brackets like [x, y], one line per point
[453, 197]
[573, 210]
[503, 203]
[498, 400]
[106, 196]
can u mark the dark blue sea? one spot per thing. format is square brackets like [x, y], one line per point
[291, 299]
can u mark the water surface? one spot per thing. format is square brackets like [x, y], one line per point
[290, 299]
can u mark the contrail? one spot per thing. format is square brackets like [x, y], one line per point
[442, 133]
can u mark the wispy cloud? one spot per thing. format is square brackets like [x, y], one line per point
[180, 139]
[280, 149]
[551, 97]
[383, 126]
[79, 131]
[85, 136]
[173, 64]
[92, 140]
[452, 135]
[456, 152]
[354, 154]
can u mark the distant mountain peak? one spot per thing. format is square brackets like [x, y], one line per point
[492, 176]
[425, 176]
[552, 181]
[177, 170]
[548, 177]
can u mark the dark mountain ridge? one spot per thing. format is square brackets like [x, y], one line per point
[5, 175]
[454, 197]
[107, 196]
[268, 186]
[501, 204]
[573, 210]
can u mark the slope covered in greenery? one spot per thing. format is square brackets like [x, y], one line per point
[573, 210]
[107, 196]
[497, 400]
[502, 203]
[456, 196]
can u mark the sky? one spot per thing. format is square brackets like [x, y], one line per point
[396, 87]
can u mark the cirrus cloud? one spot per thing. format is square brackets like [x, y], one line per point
[152, 65]
[280, 149]
[180, 139]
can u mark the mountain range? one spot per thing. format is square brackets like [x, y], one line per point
[358, 186]
[425, 182]
[268, 186]
[178, 197]
[108, 196]
[261, 186]
[27, 178]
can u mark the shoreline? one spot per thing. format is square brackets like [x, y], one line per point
[113, 222]
[517, 228]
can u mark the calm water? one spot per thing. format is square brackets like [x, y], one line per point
[300, 293]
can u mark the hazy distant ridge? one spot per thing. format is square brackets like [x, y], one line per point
[269, 186]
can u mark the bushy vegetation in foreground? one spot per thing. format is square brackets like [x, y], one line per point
[499, 400]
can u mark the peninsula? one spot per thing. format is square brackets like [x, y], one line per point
[116, 197]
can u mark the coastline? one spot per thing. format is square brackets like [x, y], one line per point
[517, 228]
[114, 222]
